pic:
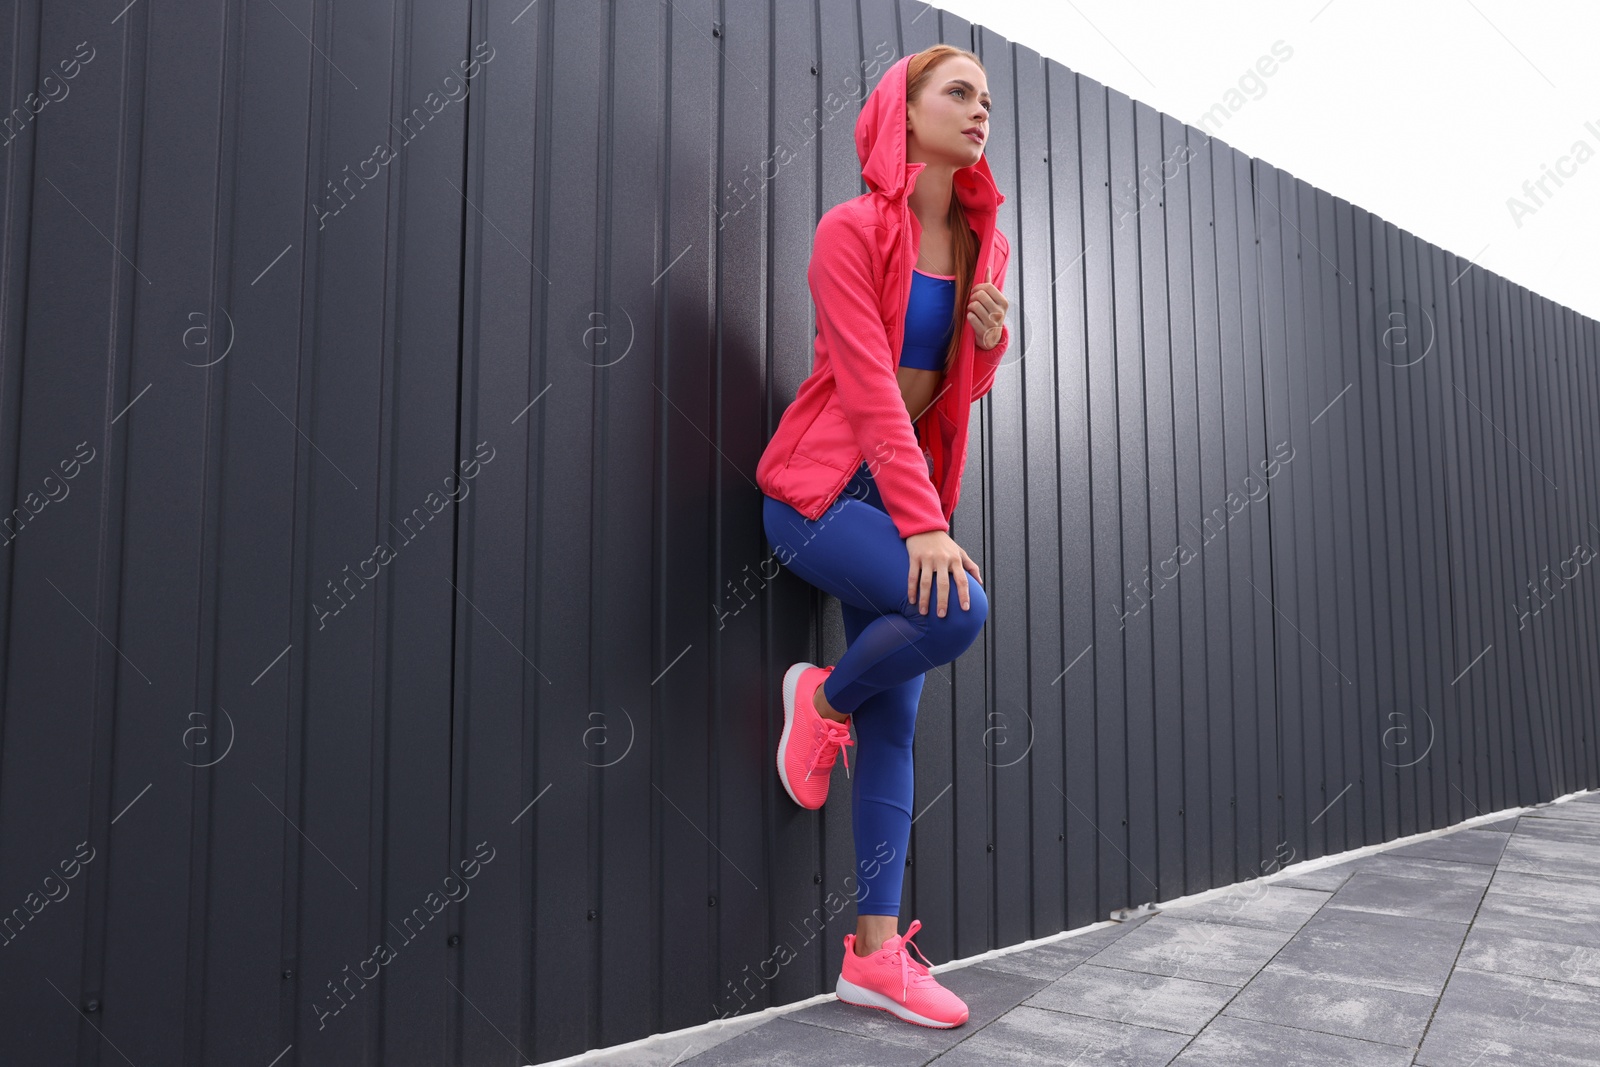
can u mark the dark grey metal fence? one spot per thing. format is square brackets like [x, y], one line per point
[392, 655]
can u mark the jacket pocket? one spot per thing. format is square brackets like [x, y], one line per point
[829, 440]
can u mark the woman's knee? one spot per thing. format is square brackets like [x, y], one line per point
[964, 625]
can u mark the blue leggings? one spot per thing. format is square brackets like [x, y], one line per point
[854, 552]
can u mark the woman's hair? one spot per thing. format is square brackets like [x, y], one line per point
[963, 242]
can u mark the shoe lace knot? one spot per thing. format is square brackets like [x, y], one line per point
[835, 736]
[910, 970]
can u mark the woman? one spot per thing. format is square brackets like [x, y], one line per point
[863, 473]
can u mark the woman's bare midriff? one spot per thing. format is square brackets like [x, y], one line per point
[918, 388]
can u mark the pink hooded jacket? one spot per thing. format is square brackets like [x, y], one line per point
[850, 409]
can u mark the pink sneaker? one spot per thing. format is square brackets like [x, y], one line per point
[890, 979]
[810, 742]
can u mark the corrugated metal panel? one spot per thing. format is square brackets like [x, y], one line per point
[385, 564]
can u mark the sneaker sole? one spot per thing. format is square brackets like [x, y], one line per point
[851, 993]
[791, 682]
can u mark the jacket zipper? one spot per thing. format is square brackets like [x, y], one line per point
[900, 326]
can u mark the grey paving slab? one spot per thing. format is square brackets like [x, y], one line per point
[1506, 825]
[1410, 955]
[1429, 870]
[1586, 813]
[1483, 945]
[1107, 934]
[1558, 825]
[1180, 1005]
[989, 994]
[1046, 963]
[1544, 907]
[1577, 834]
[1501, 953]
[1463, 846]
[1589, 813]
[1346, 1009]
[1051, 961]
[784, 1043]
[1563, 843]
[1565, 858]
[667, 1049]
[1265, 906]
[1236, 1042]
[1410, 888]
[1560, 830]
[1201, 951]
[1505, 1020]
[1329, 878]
[1027, 1037]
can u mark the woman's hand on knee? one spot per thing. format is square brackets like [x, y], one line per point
[934, 558]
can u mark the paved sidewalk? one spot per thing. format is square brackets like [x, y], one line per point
[1477, 948]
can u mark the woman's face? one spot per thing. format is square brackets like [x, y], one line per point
[949, 121]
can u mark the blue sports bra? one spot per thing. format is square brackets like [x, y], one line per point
[928, 320]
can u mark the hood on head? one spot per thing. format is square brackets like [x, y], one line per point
[881, 146]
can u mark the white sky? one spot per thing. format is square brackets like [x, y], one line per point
[1429, 113]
